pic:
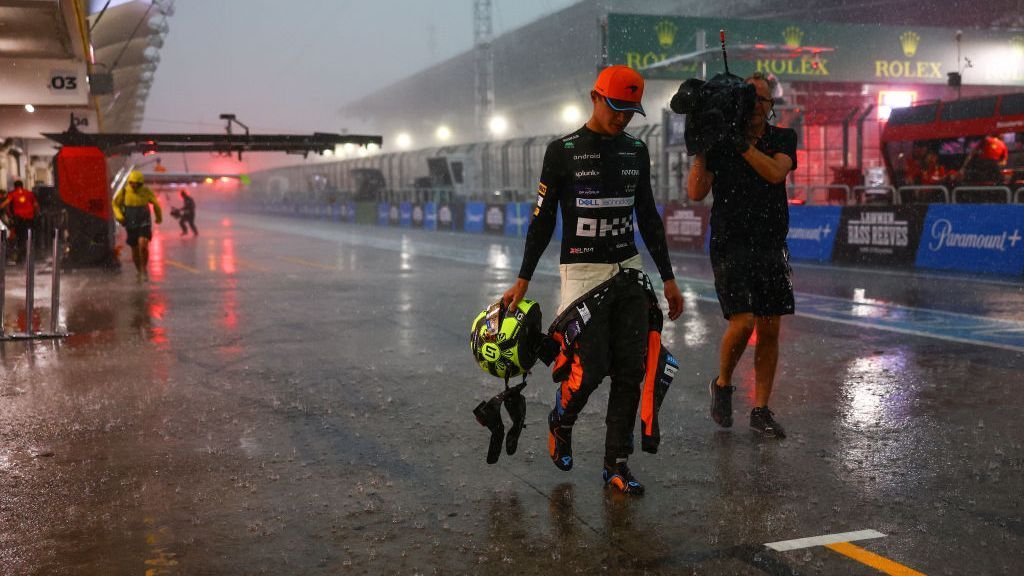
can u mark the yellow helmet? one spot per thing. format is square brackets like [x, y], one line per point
[136, 176]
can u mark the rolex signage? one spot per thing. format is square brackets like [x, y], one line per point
[911, 63]
[814, 51]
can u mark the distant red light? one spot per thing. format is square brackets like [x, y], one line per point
[226, 223]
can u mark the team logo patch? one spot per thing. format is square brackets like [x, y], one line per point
[604, 202]
[542, 189]
[594, 227]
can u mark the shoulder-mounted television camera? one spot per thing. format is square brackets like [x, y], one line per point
[717, 111]
[714, 110]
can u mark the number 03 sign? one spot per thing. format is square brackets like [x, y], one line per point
[63, 81]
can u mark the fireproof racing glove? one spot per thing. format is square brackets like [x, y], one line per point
[515, 404]
[488, 414]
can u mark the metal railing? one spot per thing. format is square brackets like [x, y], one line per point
[30, 278]
[919, 191]
[1000, 192]
[862, 194]
[1017, 195]
[826, 188]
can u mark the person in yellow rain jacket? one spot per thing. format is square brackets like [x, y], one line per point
[131, 210]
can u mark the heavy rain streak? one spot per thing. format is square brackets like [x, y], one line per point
[512, 287]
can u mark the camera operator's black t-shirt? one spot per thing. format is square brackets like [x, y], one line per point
[747, 209]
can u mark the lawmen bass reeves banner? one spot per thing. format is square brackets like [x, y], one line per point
[887, 235]
[685, 227]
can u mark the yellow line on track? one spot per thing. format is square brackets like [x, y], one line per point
[177, 264]
[248, 264]
[873, 560]
[307, 263]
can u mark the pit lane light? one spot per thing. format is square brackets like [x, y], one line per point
[498, 125]
[571, 114]
[889, 99]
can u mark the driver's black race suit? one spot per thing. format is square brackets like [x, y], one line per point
[600, 182]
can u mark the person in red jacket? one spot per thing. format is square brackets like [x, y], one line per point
[24, 208]
[985, 166]
[934, 174]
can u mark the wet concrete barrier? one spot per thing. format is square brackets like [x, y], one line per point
[979, 238]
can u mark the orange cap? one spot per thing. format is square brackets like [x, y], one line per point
[622, 87]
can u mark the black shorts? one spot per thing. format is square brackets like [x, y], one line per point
[754, 280]
[135, 233]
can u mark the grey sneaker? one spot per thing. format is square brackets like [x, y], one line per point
[721, 403]
[762, 420]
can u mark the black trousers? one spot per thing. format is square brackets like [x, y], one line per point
[614, 344]
[21, 227]
[190, 219]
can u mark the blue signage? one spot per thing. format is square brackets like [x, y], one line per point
[382, 214]
[475, 217]
[812, 232]
[517, 218]
[405, 214]
[973, 238]
[430, 216]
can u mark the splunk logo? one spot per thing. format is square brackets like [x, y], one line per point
[587, 173]
[943, 236]
[814, 234]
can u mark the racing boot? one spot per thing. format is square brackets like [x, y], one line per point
[618, 477]
[515, 404]
[488, 414]
[559, 441]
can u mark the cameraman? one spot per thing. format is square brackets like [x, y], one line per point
[749, 224]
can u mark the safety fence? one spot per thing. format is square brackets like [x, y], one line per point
[969, 237]
[886, 195]
[29, 331]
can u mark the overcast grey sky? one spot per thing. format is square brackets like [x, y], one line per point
[289, 65]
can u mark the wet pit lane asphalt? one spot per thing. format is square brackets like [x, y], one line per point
[294, 397]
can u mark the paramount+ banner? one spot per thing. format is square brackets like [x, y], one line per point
[812, 232]
[880, 235]
[980, 238]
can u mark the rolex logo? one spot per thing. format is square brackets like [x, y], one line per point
[666, 31]
[909, 41]
[1018, 45]
[793, 36]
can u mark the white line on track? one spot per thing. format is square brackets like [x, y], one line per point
[813, 541]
